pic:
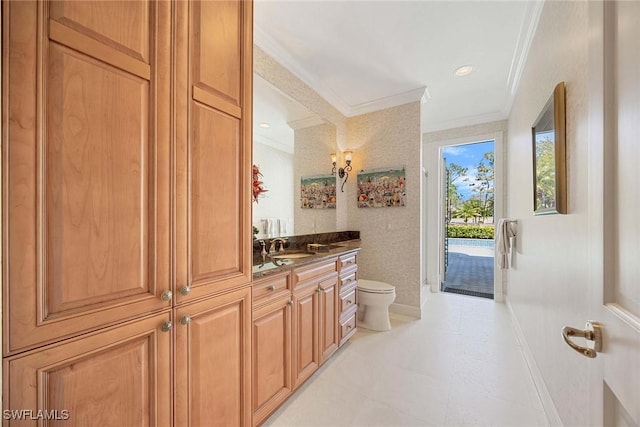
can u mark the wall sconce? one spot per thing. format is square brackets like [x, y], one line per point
[342, 172]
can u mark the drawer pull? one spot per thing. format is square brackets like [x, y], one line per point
[349, 280]
[349, 302]
[185, 290]
[349, 327]
[272, 288]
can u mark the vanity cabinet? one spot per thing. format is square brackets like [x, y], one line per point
[348, 308]
[300, 318]
[127, 210]
[315, 322]
[271, 345]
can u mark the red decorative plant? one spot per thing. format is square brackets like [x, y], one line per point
[257, 184]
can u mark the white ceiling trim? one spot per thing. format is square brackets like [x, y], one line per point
[277, 52]
[305, 123]
[273, 144]
[465, 121]
[525, 38]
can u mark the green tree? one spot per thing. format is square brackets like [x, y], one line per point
[545, 173]
[454, 172]
[469, 209]
[483, 186]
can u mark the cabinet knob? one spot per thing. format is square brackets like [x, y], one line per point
[272, 287]
[185, 290]
[349, 327]
[185, 320]
[289, 302]
[166, 295]
[349, 280]
[349, 302]
[166, 326]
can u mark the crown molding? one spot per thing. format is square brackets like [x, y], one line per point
[463, 121]
[306, 122]
[272, 48]
[527, 32]
[273, 144]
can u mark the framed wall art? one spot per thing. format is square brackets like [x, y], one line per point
[382, 187]
[318, 192]
[549, 156]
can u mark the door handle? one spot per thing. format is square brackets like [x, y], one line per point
[592, 332]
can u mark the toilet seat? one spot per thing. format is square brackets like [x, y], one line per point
[375, 287]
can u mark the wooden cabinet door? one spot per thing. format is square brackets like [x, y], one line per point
[329, 312]
[117, 377]
[271, 347]
[213, 66]
[305, 333]
[85, 165]
[213, 361]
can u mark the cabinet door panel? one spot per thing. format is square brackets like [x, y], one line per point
[97, 183]
[213, 146]
[87, 160]
[118, 377]
[216, 52]
[305, 333]
[271, 357]
[328, 322]
[213, 356]
[126, 29]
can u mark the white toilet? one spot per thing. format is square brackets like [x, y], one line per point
[374, 299]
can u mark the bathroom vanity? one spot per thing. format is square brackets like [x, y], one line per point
[303, 311]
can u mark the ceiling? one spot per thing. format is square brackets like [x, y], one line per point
[363, 56]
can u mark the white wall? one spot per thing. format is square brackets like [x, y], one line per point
[276, 167]
[548, 282]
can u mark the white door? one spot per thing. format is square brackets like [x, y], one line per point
[614, 144]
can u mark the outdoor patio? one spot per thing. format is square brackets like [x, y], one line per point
[470, 269]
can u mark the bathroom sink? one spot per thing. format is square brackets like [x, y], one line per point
[293, 255]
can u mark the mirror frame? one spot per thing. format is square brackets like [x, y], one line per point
[555, 107]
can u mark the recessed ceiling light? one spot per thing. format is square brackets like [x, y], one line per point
[465, 70]
[264, 125]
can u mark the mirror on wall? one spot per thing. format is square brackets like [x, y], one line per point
[289, 142]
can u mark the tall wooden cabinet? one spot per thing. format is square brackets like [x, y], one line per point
[126, 210]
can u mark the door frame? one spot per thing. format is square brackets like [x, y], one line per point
[434, 210]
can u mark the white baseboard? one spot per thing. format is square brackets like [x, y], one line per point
[406, 310]
[543, 393]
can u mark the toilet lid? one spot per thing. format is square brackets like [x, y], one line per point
[375, 286]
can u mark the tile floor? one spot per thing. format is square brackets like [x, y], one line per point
[460, 365]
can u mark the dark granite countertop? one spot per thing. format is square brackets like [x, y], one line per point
[269, 268]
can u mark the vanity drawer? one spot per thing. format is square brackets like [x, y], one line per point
[348, 261]
[347, 300]
[348, 280]
[347, 327]
[264, 289]
[305, 273]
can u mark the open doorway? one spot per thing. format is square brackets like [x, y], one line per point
[468, 243]
[442, 250]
